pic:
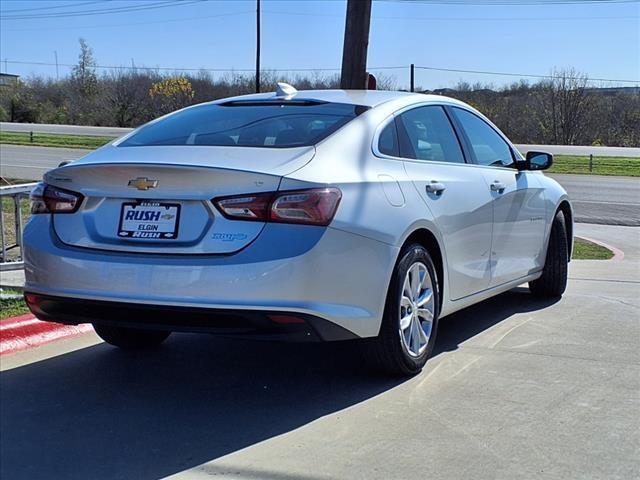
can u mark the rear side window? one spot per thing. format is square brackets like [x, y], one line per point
[425, 133]
[488, 147]
[244, 124]
[388, 140]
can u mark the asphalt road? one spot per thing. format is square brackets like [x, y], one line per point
[518, 388]
[603, 199]
[18, 161]
[597, 199]
[117, 132]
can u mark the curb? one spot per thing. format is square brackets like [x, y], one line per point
[26, 331]
[618, 255]
[17, 288]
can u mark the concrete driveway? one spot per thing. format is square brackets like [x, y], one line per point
[519, 388]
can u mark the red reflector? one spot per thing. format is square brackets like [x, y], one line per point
[285, 319]
[31, 299]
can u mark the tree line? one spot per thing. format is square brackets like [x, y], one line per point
[562, 109]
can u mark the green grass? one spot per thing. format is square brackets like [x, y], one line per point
[625, 166]
[12, 307]
[6, 181]
[50, 140]
[8, 207]
[585, 250]
[8, 218]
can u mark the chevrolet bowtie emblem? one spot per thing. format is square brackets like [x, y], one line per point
[142, 183]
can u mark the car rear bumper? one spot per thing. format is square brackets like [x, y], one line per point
[262, 324]
[313, 272]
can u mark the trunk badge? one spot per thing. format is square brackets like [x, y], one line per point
[142, 183]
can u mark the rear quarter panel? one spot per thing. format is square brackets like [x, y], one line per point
[378, 198]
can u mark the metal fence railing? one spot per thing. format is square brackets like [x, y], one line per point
[12, 198]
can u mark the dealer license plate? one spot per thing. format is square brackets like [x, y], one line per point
[152, 220]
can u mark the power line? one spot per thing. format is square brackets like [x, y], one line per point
[170, 20]
[74, 4]
[387, 17]
[243, 70]
[108, 11]
[510, 74]
[185, 69]
[271, 12]
[509, 2]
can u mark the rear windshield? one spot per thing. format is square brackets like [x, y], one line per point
[243, 124]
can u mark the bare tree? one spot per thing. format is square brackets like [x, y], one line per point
[126, 98]
[565, 102]
[560, 110]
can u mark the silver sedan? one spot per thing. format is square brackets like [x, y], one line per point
[311, 215]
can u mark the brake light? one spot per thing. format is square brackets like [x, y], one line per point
[49, 199]
[314, 206]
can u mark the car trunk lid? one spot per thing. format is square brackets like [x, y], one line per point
[151, 200]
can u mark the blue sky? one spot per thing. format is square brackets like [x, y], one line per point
[601, 40]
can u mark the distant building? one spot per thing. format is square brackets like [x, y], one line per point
[614, 90]
[7, 79]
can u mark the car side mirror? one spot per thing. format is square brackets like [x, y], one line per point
[537, 161]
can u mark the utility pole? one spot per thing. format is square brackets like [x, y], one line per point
[413, 77]
[356, 43]
[55, 54]
[257, 46]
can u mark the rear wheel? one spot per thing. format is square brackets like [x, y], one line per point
[408, 331]
[130, 338]
[553, 281]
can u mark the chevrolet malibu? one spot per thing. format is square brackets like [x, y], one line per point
[311, 215]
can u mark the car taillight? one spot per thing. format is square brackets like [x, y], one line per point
[314, 206]
[49, 199]
[245, 207]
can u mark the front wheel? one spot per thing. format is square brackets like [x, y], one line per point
[130, 338]
[408, 331]
[553, 281]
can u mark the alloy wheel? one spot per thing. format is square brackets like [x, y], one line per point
[416, 309]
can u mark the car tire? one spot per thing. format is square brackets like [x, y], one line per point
[391, 351]
[553, 281]
[131, 338]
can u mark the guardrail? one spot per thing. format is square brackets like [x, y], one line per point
[11, 239]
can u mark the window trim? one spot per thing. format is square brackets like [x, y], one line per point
[393, 117]
[467, 142]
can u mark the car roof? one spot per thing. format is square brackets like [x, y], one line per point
[369, 98]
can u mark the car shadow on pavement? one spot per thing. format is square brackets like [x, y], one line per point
[467, 323]
[101, 413]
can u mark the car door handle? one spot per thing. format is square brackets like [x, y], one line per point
[435, 187]
[498, 186]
